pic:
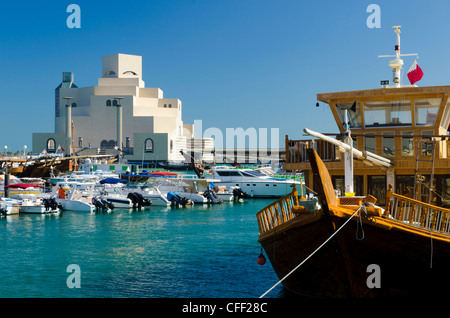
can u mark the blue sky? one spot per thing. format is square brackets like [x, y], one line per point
[232, 63]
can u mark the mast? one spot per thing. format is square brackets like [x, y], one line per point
[397, 62]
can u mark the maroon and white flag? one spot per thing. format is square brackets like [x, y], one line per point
[415, 73]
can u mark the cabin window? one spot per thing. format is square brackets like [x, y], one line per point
[51, 145]
[148, 145]
[376, 186]
[230, 173]
[388, 144]
[353, 114]
[390, 113]
[426, 111]
[426, 149]
[369, 142]
[339, 184]
[404, 185]
[445, 122]
[253, 174]
[407, 144]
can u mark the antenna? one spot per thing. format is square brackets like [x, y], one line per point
[397, 63]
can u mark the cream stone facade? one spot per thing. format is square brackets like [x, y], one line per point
[119, 111]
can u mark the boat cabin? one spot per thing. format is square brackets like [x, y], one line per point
[407, 125]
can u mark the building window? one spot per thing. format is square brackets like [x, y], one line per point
[127, 142]
[74, 104]
[103, 144]
[148, 145]
[108, 102]
[80, 142]
[170, 105]
[130, 73]
[114, 102]
[110, 74]
[388, 144]
[51, 145]
[165, 105]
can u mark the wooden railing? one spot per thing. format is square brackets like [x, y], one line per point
[417, 213]
[277, 212]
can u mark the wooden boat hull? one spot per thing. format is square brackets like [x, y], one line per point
[372, 255]
[409, 264]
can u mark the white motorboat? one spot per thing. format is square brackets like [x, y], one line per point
[111, 190]
[148, 192]
[74, 196]
[184, 188]
[9, 206]
[39, 206]
[256, 183]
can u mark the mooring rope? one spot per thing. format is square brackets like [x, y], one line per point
[310, 254]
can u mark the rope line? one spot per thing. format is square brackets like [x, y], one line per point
[317, 249]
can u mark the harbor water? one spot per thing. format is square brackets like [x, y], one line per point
[188, 252]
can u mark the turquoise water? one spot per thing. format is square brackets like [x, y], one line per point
[196, 251]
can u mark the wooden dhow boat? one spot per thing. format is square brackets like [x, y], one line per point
[351, 248]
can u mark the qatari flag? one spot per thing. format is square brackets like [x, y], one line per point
[415, 73]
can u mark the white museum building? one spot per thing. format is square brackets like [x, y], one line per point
[120, 112]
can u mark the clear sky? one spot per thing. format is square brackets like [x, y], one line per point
[232, 63]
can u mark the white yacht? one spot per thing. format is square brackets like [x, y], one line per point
[252, 181]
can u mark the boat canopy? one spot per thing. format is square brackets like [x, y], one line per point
[24, 185]
[113, 181]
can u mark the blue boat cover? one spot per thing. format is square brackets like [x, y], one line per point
[113, 181]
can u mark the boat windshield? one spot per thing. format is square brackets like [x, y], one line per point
[253, 174]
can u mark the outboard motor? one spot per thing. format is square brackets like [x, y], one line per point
[177, 200]
[101, 204]
[212, 197]
[238, 194]
[51, 204]
[138, 200]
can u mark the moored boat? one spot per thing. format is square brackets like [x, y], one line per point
[256, 183]
[352, 248]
